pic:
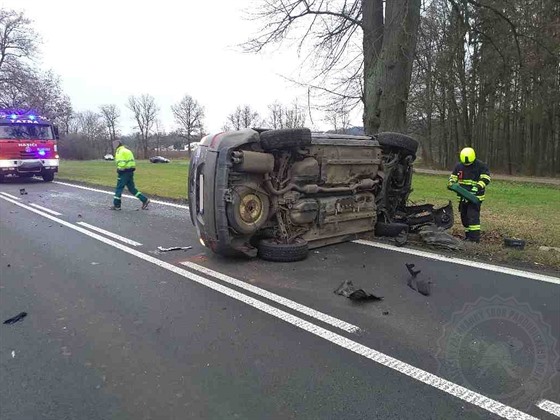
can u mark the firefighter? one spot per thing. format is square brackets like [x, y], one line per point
[125, 170]
[473, 175]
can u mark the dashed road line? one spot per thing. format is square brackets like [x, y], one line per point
[460, 261]
[327, 319]
[54, 213]
[549, 406]
[9, 195]
[110, 234]
[420, 375]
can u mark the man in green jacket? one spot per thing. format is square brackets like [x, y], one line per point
[125, 170]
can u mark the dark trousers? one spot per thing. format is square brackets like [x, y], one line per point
[126, 179]
[470, 218]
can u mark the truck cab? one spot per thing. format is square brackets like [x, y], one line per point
[27, 146]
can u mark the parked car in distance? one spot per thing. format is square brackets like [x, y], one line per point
[159, 159]
[108, 157]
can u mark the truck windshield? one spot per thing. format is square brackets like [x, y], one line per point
[26, 131]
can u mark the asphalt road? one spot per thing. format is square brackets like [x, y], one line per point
[118, 330]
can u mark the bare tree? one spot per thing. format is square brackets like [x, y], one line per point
[90, 126]
[281, 116]
[111, 115]
[338, 118]
[145, 113]
[17, 39]
[384, 59]
[276, 116]
[188, 114]
[243, 117]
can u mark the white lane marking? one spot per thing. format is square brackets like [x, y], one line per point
[111, 234]
[335, 322]
[454, 260]
[54, 213]
[549, 406]
[9, 195]
[164, 203]
[420, 375]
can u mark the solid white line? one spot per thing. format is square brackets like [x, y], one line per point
[9, 195]
[335, 322]
[164, 203]
[551, 407]
[420, 375]
[453, 260]
[111, 234]
[55, 213]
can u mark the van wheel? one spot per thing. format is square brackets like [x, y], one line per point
[271, 250]
[398, 140]
[48, 177]
[286, 138]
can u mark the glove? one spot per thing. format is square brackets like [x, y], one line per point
[480, 191]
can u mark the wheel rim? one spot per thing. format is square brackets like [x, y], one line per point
[251, 208]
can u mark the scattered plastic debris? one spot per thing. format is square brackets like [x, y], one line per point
[432, 235]
[385, 312]
[22, 191]
[515, 243]
[13, 354]
[347, 289]
[94, 263]
[412, 271]
[173, 248]
[424, 287]
[16, 318]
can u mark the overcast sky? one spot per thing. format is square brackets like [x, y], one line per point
[105, 51]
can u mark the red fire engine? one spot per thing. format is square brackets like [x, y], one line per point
[27, 146]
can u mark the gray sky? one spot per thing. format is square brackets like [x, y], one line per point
[105, 51]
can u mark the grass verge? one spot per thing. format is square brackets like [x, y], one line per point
[512, 209]
[167, 180]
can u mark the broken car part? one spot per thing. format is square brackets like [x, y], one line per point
[16, 318]
[173, 248]
[347, 289]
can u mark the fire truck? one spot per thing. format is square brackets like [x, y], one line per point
[27, 146]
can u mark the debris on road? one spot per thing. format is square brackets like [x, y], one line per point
[94, 263]
[411, 270]
[432, 235]
[13, 354]
[173, 248]
[347, 289]
[16, 318]
[424, 287]
[22, 191]
[385, 312]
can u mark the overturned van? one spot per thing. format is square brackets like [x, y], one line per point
[279, 193]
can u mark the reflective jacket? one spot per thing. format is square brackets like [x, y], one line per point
[474, 177]
[125, 160]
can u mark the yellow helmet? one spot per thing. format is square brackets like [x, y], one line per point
[467, 155]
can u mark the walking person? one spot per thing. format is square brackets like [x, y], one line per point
[125, 170]
[473, 175]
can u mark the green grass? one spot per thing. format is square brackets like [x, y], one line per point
[162, 179]
[511, 209]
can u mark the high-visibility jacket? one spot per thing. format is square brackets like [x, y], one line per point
[125, 160]
[474, 177]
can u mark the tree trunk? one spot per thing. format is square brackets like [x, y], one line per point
[387, 73]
